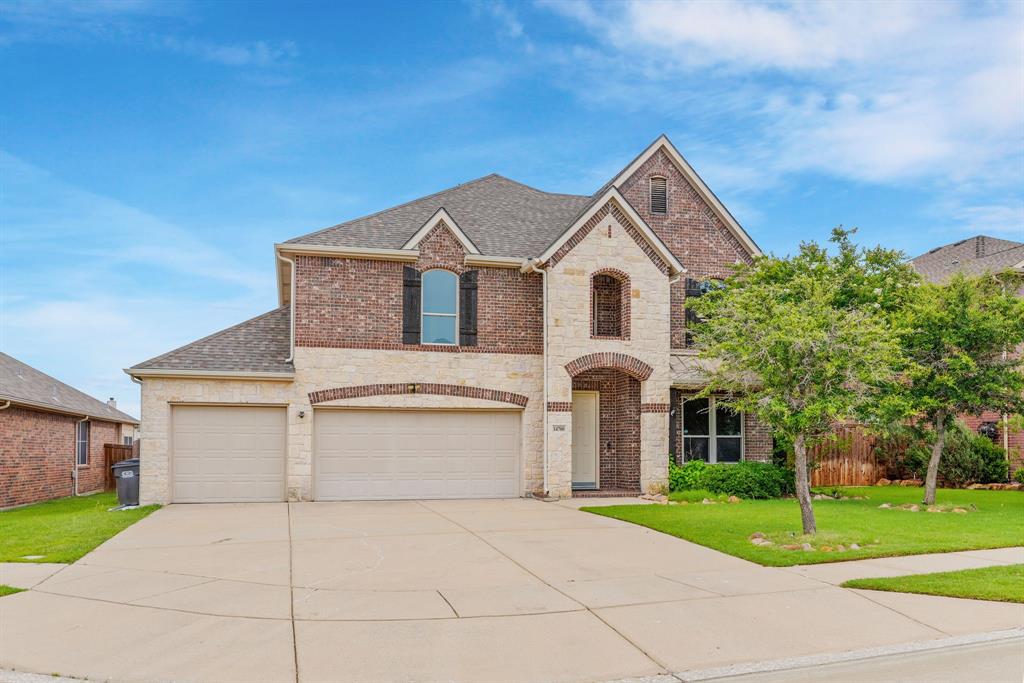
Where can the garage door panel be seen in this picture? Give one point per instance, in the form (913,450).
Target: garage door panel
(365,454)
(228,454)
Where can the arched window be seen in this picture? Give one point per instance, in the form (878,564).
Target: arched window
(609,299)
(440,308)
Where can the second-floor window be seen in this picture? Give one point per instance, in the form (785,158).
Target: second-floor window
(440,311)
(606,302)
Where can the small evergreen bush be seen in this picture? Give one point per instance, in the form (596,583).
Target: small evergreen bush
(742,479)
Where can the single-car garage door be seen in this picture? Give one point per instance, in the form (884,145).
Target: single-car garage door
(380,454)
(227,454)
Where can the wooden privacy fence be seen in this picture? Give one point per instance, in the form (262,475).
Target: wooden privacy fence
(115,452)
(847,460)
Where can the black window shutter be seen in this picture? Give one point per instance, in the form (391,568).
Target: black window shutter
(410,305)
(467,308)
(693,287)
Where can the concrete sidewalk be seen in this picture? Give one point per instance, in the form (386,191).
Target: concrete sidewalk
(443,590)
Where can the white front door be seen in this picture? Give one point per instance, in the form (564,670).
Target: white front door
(584,439)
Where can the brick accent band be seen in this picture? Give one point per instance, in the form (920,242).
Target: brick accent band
(654,407)
(634,367)
(364,390)
(559,406)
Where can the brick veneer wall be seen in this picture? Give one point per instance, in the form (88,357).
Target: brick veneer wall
(357,303)
(690,229)
(1015,438)
(619,426)
(609,304)
(37,452)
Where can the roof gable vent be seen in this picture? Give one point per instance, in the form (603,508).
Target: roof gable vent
(659,195)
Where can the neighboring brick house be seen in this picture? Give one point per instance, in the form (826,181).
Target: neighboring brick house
(488,340)
(976,256)
(51,433)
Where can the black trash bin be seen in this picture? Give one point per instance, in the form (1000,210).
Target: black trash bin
(126,474)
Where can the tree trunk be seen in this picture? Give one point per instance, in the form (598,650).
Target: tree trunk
(803,488)
(933,462)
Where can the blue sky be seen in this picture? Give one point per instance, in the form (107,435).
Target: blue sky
(152,152)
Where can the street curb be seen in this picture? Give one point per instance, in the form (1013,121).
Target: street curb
(789,663)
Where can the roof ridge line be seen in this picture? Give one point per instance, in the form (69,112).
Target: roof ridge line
(209,336)
(537,189)
(392,208)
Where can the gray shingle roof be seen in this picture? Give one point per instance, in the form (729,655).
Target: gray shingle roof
(501,217)
(972,256)
(21,383)
(258,345)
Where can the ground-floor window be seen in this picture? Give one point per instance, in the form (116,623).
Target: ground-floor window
(82,443)
(711,432)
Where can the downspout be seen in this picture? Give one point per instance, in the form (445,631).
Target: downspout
(532,267)
(291,310)
(74,471)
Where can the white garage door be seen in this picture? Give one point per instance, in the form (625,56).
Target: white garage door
(379,454)
(227,454)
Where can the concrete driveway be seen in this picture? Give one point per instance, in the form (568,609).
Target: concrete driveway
(500,590)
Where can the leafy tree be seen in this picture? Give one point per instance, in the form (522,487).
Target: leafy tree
(806,341)
(959,340)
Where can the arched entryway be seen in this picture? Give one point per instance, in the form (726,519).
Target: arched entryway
(606,431)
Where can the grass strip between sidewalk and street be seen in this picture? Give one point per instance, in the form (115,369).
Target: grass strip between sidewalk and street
(1004,583)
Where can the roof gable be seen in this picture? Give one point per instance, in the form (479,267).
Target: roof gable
(21,383)
(613,197)
(703,191)
(443,218)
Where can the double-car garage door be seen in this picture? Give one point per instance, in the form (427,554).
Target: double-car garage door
(238,453)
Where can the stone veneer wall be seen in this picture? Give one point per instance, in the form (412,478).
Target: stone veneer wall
(318,369)
(608,244)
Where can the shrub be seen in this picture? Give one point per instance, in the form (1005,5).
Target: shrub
(747,480)
(967,458)
(743,479)
(686,477)
(1018,476)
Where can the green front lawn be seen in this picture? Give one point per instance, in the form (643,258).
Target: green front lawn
(994,519)
(9,590)
(1005,583)
(63,530)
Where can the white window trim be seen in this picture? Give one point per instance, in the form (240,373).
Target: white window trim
(455,315)
(713,432)
(79,441)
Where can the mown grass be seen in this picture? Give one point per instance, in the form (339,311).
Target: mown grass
(1004,583)
(9,590)
(995,520)
(63,530)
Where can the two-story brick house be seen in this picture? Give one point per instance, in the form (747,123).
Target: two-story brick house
(489,340)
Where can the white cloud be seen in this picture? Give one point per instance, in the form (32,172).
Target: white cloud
(877,92)
(90,285)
